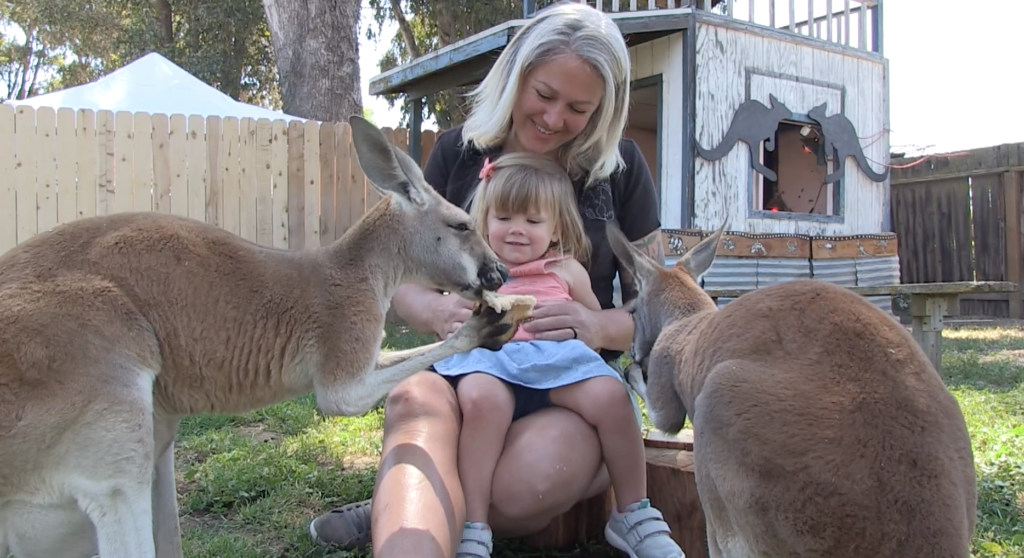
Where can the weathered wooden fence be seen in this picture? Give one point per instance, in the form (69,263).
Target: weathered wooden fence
(276,183)
(958,217)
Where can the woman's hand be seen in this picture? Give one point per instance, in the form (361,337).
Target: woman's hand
(558,321)
(428,311)
(448,313)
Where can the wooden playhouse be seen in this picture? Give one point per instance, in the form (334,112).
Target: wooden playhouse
(770,113)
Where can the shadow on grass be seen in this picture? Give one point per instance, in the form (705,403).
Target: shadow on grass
(983,358)
(399,337)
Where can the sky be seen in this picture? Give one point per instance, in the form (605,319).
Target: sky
(952,82)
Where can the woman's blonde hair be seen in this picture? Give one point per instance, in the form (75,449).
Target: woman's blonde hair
(526,182)
(563,29)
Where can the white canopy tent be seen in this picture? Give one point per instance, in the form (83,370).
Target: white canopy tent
(155,85)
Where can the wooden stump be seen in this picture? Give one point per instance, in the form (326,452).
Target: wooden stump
(672,489)
(584,522)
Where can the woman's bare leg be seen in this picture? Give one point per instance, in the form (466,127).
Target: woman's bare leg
(551,461)
(604,403)
(487,405)
(418,508)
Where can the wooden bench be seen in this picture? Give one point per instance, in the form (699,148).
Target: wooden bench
(930,304)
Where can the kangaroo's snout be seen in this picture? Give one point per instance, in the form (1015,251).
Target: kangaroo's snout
(492,275)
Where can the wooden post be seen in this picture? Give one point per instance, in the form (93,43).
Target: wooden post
(1012,196)
(928,312)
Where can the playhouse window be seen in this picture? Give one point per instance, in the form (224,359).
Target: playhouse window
(796,161)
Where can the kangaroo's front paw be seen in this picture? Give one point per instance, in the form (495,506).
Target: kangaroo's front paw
(635,377)
(487,328)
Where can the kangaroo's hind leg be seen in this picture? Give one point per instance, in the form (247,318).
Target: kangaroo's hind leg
(166,527)
(113,480)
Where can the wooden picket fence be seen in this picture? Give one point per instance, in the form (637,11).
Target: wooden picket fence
(273,182)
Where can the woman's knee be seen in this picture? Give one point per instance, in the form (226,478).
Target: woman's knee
(550,462)
(424,395)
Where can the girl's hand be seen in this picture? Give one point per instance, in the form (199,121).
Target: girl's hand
(556,321)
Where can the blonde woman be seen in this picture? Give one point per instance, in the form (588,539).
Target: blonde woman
(559,89)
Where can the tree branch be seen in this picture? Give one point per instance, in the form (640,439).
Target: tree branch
(407,34)
(26,62)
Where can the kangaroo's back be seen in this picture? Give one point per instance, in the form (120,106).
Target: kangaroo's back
(820,427)
(818,408)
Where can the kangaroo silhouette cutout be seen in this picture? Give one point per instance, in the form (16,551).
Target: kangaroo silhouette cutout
(753,122)
(841,139)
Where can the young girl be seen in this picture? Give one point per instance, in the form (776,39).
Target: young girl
(525,206)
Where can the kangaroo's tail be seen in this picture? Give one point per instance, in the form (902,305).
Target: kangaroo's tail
(864,166)
(723,148)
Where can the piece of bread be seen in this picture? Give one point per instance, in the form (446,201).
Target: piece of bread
(519,307)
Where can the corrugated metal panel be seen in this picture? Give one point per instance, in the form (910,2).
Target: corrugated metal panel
(731,273)
(840,271)
(772,271)
(879,271)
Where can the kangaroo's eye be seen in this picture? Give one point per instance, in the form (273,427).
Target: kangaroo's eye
(461,227)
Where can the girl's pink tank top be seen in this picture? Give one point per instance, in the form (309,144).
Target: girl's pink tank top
(533,279)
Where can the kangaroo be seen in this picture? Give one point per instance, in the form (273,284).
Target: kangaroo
(752,123)
(820,427)
(113,328)
(841,138)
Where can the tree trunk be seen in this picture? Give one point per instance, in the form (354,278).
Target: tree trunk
(317,49)
(164,19)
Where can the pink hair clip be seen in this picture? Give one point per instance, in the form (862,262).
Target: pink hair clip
(487,170)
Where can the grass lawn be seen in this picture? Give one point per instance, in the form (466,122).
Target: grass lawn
(249,484)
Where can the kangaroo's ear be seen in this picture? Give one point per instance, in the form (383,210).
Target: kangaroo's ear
(697,261)
(387,167)
(638,264)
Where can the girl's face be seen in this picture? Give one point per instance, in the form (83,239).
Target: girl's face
(555,103)
(519,238)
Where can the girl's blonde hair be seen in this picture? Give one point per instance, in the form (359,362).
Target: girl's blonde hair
(526,182)
(563,29)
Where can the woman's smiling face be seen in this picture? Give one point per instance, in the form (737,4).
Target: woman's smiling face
(555,103)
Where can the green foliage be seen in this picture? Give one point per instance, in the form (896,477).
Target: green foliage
(225,44)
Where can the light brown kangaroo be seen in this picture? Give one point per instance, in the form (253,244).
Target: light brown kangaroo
(113,328)
(821,430)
